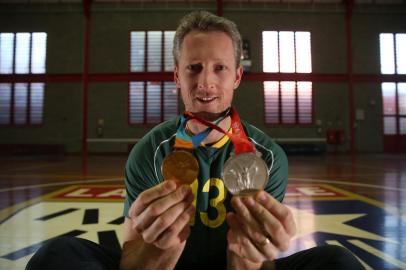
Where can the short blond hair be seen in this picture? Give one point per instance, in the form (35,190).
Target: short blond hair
(203,21)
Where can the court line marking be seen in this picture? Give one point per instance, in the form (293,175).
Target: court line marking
(360,197)
(390,209)
(61,184)
(346,183)
(385,206)
(378,253)
(12,210)
(344,175)
(122,179)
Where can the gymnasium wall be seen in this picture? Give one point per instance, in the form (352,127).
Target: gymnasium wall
(109,53)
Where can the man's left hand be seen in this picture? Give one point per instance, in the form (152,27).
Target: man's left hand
(260,228)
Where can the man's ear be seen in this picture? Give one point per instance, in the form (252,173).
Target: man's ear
(238,76)
(176,76)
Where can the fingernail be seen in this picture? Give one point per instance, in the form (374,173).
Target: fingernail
(237,201)
(169,185)
(250,201)
(247,201)
(262,197)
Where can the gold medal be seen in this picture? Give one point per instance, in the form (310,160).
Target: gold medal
(180,165)
(245,174)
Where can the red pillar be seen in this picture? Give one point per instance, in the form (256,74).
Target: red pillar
(85,84)
(219,7)
(350,74)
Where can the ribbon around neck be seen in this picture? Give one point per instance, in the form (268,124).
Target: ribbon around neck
(238,137)
(188,142)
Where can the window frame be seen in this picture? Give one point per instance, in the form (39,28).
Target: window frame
(396,115)
(157,74)
(29,108)
(280,122)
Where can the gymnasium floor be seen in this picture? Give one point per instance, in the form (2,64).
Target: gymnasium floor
(356,202)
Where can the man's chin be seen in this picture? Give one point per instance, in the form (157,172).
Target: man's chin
(211,116)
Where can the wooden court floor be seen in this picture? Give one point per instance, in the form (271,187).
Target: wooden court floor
(357,202)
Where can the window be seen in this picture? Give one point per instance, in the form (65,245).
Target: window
(147,100)
(393,61)
(22,53)
(287,102)
(152,101)
(151,51)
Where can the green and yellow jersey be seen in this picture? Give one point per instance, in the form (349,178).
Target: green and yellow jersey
(207,243)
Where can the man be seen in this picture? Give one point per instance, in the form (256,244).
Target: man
(207,52)
(172,225)
(169,224)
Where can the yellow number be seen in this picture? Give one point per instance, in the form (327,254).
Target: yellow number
(216,202)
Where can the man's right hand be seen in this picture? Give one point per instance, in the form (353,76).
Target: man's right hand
(161,215)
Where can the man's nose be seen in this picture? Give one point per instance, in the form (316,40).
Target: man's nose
(206,80)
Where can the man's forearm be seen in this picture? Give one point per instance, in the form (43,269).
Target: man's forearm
(140,255)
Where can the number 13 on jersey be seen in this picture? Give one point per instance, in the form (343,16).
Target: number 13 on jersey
(216,202)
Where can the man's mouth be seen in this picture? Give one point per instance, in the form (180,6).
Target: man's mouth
(206,99)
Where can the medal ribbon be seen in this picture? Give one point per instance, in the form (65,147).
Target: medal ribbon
(238,137)
(185,141)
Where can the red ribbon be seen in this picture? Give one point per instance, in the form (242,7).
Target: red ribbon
(238,137)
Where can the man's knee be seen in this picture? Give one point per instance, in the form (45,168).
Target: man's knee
(52,253)
(321,257)
(337,257)
(73,253)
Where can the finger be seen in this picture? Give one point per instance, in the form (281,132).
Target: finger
(280,211)
(271,226)
(165,220)
(176,233)
(240,243)
(268,250)
(156,208)
(233,222)
(150,195)
(184,233)
(248,223)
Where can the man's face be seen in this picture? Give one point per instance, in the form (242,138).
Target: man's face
(206,72)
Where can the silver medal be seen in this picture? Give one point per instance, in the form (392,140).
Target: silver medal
(245,174)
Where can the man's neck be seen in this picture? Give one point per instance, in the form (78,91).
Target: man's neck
(214,136)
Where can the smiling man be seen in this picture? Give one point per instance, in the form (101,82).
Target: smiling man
(199,224)
(172,225)
(202,226)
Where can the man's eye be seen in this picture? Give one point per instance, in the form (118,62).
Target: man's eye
(194,68)
(220,67)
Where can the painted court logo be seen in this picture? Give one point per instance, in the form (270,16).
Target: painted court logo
(324,215)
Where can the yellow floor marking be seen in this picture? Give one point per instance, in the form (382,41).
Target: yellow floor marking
(309,244)
(9,211)
(378,253)
(391,209)
(22,230)
(336,243)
